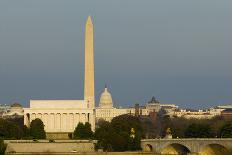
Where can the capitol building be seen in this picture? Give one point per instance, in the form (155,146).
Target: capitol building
(106,111)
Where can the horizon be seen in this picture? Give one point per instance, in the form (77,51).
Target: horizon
(181,59)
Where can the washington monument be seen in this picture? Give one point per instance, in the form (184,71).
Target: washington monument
(89,64)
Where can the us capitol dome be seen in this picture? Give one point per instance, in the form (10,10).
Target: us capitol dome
(105,110)
(106,100)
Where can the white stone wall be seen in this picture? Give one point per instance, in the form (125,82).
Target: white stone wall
(108,114)
(25,146)
(58,104)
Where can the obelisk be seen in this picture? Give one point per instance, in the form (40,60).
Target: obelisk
(89,65)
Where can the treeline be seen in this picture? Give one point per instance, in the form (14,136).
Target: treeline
(191,128)
(124,132)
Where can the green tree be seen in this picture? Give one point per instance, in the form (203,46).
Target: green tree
(119,142)
(83,131)
(104,134)
(37,129)
(117,136)
(26,132)
(198,131)
(9,130)
(122,126)
(226,130)
(2,147)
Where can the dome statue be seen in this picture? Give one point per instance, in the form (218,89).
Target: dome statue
(154,100)
(106,99)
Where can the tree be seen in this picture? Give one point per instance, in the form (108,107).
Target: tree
(2,147)
(104,134)
(122,126)
(26,132)
(117,135)
(16,120)
(37,129)
(83,131)
(9,130)
(226,130)
(119,141)
(198,131)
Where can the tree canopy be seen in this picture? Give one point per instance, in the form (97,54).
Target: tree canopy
(9,130)
(198,131)
(226,130)
(117,135)
(83,131)
(37,129)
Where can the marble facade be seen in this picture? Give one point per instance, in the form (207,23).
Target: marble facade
(59,115)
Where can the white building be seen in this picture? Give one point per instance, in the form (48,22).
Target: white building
(59,116)
(193,114)
(3,109)
(201,114)
(15,110)
(154,106)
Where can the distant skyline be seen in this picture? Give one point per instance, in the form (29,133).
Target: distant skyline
(178,51)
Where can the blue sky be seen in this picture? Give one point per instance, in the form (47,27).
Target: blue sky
(179,51)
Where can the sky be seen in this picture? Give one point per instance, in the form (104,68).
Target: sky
(176,50)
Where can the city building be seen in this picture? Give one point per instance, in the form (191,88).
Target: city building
(227,114)
(193,114)
(14,111)
(154,105)
(3,109)
(204,114)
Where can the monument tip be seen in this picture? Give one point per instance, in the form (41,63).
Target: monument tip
(89,19)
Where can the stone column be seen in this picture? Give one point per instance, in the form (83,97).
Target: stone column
(55,122)
(42,118)
(86,117)
(92,121)
(64,122)
(61,121)
(39,115)
(58,122)
(82,118)
(33,116)
(26,119)
(71,121)
(45,121)
(76,119)
(52,121)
